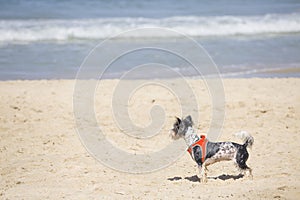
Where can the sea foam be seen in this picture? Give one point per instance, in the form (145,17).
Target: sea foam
(102,28)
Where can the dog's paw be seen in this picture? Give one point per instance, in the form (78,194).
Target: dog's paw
(249,175)
(203,180)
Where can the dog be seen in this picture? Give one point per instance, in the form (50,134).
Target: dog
(205,153)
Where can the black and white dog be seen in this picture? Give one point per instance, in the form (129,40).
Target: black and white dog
(206,153)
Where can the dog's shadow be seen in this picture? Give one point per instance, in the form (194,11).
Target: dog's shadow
(195,178)
(225,177)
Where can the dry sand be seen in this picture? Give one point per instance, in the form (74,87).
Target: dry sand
(41,156)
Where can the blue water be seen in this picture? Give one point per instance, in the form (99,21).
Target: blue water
(49,39)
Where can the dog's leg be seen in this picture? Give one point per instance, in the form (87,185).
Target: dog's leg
(200,172)
(248,173)
(203,173)
(244,170)
(241,158)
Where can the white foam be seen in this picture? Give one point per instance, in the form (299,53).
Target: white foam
(66,30)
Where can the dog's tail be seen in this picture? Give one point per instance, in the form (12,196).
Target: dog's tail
(246,137)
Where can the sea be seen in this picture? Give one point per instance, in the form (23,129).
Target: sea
(51,39)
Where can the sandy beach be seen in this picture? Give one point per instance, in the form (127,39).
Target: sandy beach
(41,155)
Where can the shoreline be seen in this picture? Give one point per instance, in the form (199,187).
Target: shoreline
(277,72)
(171,78)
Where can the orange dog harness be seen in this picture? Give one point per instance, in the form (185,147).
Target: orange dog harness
(202,144)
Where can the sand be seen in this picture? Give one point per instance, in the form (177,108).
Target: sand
(42,157)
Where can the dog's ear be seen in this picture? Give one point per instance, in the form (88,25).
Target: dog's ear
(189,120)
(178,120)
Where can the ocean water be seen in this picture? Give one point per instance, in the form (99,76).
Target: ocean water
(42,39)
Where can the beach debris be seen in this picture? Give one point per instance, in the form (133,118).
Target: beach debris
(120,192)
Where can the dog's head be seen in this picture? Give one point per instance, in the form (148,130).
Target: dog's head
(180,127)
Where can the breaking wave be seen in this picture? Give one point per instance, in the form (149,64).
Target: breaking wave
(102,28)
